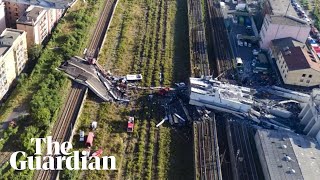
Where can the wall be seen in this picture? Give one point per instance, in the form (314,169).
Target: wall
(276,31)
(13,12)
(2,17)
(294,77)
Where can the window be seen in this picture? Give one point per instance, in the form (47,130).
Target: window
(285,76)
(310,76)
(303,75)
(308,81)
(262,33)
(16,14)
(301,80)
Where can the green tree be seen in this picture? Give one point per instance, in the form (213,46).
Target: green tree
(30,132)
(42,117)
(34,51)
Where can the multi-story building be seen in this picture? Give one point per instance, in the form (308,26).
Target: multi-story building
(2,16)
(13,57)
(287,155)
(296,63)
(38,23)
(57,4)
(13,12)
(310,115)
(282,26)
(276,7)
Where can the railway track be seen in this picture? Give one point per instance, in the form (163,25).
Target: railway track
(4,157)
(220,42)
(245,164)
(63,127)
(207,162)
(197,38)
(102,26)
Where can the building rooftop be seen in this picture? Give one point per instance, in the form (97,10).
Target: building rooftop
(288,20)
(32,15)
(280,7)
(285,151)
(296,55)
(7,37)
(57,4)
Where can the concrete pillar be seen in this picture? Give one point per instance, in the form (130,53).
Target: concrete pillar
(309,126)
(307,117)
(314,130)
(304,111)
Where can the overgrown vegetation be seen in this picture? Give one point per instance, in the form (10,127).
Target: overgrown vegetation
(44,86)
(146,37)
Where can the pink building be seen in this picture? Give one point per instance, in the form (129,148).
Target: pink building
(38,23)
(281,26)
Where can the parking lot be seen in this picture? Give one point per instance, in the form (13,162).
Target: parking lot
(244,47)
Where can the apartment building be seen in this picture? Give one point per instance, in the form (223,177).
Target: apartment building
(38,23)
(13,57)
(13,11)
(2,16)
(282,26)
(296,63)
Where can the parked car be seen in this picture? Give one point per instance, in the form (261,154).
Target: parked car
(81,136)
(256,52)
(240,43)
(307,19)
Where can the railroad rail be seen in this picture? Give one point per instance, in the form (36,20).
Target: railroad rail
(245,165)
(4,157)
(207,159)
(219,38)
(62,129)
(101,29)
(197,40)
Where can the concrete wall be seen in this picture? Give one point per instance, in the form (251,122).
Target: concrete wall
(297,77)
(13,60)
(270,31)
(263,161)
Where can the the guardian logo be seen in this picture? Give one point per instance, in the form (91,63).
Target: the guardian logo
(54,161)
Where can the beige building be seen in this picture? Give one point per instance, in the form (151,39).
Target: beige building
(296,63)
(38,23)
(280,26)
(13,12)
(13,50)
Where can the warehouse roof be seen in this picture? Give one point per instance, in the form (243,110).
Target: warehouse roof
(288,155)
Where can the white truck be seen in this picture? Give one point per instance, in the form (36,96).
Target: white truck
(241,7)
